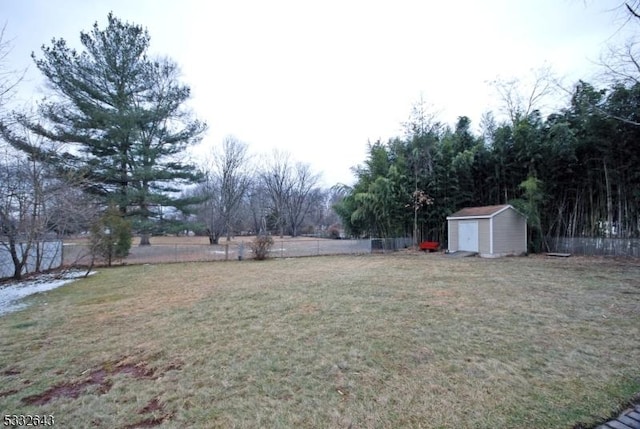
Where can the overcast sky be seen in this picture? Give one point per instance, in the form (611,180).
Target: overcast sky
(319,79)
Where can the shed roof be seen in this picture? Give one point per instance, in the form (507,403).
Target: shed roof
(480,212)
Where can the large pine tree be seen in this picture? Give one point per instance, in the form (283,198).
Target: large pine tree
(121,117)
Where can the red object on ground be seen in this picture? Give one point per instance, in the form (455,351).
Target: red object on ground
(429,246)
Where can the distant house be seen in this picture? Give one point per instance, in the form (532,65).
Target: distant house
(492,231)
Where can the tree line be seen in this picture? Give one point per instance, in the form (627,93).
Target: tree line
(107,148)
(575,173)
(245,194)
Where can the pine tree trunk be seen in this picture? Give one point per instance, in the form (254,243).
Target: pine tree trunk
(144,239)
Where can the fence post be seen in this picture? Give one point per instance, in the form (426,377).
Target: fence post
(226,251)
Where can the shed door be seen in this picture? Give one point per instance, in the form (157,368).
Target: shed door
(468,236)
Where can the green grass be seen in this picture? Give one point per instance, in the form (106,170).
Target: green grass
(405,340)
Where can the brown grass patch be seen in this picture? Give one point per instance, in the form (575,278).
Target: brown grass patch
(407,340)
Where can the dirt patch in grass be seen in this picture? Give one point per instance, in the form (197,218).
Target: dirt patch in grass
(8,392)
(71,390)
(147,423)
(98,380)
(154,407)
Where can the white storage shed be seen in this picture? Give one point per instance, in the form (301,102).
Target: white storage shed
(491,231)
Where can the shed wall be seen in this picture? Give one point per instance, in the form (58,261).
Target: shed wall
(509,233)
(453,236)
(484,236)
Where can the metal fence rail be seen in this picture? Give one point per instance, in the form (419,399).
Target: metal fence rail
(78,254)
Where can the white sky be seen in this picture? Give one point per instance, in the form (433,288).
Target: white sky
(320,79)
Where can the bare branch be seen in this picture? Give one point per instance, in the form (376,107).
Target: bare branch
(9,78)
(633,12)
(227,181)
(521,99)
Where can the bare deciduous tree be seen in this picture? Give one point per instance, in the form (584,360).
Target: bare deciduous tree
(321,214)
(519,98)
(21,184)
(620,63)
(37,204)
(10,78)
(301,196)
(19,209)
(289,190)
(227,181)
(277,181)
(258,202)
(28,193)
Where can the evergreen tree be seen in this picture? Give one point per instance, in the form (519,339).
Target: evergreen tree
(111,236)
(530,205)
(122,117)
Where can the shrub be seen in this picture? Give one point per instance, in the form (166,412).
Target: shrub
(334,232)
(111,236)
(260,246)
(308,230)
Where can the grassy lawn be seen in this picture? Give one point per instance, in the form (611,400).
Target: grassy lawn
(385,341)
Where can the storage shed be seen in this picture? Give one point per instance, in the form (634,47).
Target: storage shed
(492,231)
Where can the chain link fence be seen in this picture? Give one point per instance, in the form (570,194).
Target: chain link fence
(625,247)
(79,254)
(42,256)
(384,245)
